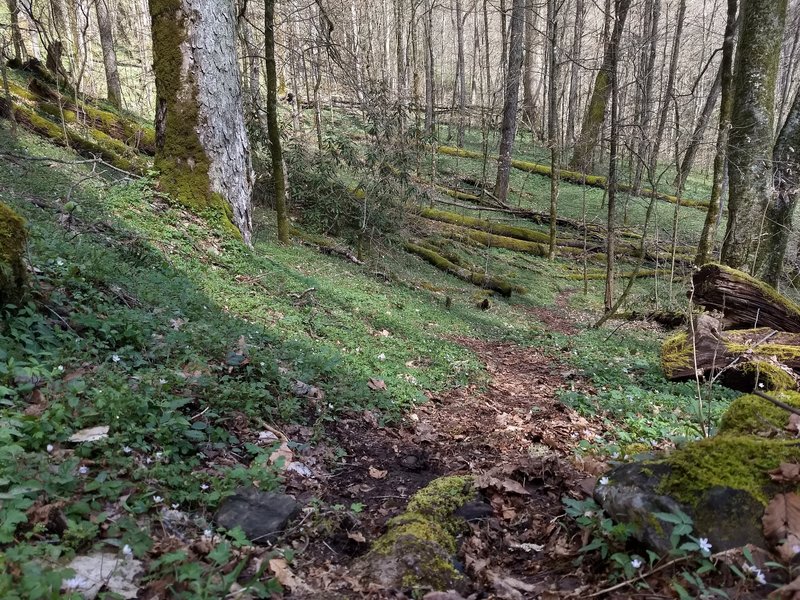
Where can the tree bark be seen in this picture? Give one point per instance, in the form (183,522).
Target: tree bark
(709,232)
(16,34)
(430,72)
(577,42)
(529,98)
(510,105)
(274,132)
(461,78)
(202,149)
(750,140)
(552,120)
(105,27)
(786,165)
(596,110)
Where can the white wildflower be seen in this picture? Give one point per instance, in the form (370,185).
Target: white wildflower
(126,550)
(705,545)
(381,356)
(83,470)
(636,563)
(208,533)
(127,449)
(116,358)
(157,499)
(49,448)
(760,578)
(76,583)
(604,481)
(204,486)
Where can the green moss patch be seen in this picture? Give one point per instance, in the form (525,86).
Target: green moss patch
(750,414)
(734,461)
(12,248)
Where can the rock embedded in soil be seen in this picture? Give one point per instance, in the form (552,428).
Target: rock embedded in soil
(262,516)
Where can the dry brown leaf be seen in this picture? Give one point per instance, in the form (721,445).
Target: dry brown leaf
(376,384)
(782,518)
(505,484)
(285,576)
(786,473)
(282,452)
(91,434)
(794,424)
(377,473)
(357,536)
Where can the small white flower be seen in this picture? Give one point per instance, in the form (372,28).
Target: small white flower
(157,499)
(83,470)
(748,568)
(159,455)
(60,262)
(760,578)
(127,449)
(615,455)
(126,550)
(175,506)
(636,563)
(208,533)
(381,356)
(60,367)
(75,583)
(148,460)
(705,546)
(604,481)
(116,358)
(204,486)
(761,385)
(49,448)
(162,381)
(588,513)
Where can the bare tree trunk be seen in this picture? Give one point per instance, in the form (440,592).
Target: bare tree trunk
(699,131)
(529,98)
(105,27)
(577,42)
(202,149)
(486,46)
(460,68)
(430,73)
(552,120)
(709,233)
(666,103)
(511,102)
(786,163)
(750,141)
(644,115)
(274,132)
(16,34)
(595,112)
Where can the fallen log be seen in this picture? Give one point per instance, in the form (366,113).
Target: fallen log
(497,284)
(744,300)
(741,359)
(325,245)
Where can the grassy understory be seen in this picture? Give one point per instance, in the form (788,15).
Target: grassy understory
(145,319)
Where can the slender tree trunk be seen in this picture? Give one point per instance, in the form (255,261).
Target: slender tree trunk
(105,27)
(510,105)
(699,131)
(595,112)
(487,57)
(202,150)
(460,68)
(666,103)
(430,72)
(750,140)
(552,120)
(16,34)
(786,164)
(529,99)
(709,233)
(274,132)
(645,113)
(577,42)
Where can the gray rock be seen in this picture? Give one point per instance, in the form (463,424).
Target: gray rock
(727,517)
(261,515)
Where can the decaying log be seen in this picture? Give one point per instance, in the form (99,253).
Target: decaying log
(740,358)
(744,300)
(503,287)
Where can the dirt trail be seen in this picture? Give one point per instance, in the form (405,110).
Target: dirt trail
(513,435)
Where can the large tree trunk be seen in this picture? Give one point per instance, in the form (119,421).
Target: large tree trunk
(596,110)
(750,140)
(510,105)
(275,149)
(202,149)
(786,164)
(106,28)
(709,232)
(577,39)
(16,34)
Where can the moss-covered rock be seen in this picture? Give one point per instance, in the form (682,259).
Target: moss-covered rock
(12,248)
(416,552)
(749,415)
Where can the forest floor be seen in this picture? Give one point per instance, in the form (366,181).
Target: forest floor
(215,366)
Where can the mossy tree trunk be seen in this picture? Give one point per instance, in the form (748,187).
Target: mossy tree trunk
(12,247)
(202,150)
(274,132)
(596,111)
(709,232)
(750,141)
(16,34)
(106,29)
(786,164)
(511,102)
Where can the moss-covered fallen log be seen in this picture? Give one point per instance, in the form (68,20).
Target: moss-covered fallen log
(417,552)
(739,357)
(497,284)
(744,300)
(575,177)
(597,275)
(64,136)
(325,245)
